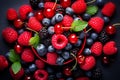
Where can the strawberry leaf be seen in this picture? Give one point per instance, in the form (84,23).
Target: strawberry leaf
(13,57)
(16,66)
(92,10)
(78,25)
(34,41)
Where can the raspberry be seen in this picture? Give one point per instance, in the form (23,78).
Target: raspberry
(24,10)
(49,5)
(11,14)
(3,63)
(79,6)
(59,41)
(34,24)
(96,48)
(110,48)
(40,64)
(96,23)
(9,34)
(51,58)
(108,9)
(65,3)
(27,55)
(24,38)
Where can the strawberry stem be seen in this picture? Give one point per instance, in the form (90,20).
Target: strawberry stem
(54,4)
(116,24)
(75,61)
(92,1)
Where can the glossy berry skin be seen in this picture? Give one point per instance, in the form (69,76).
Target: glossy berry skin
(18,23)
(58,29)
(81,59)
(110,30)
(67,71)
(65,3)
(105,60)
(49,13)
(100,3)
(28,78)
(73,38)
(39,15)
(18,49)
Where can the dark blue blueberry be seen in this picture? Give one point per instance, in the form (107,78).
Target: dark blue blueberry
(70,78)
(106,19)
(58,17)
(49,70)
(100,3)
(41,49)
(86,16)
(66,55)
(94,36)
(89,73)
(7,55)
(46,22)
(51,30)
(69,11)
(59,51)
(68,46)
(41,5)
(51,48)
(89,41)
(31,14)
(53,21)
(20,31)
(60,61)
(79,42)
(32,67)
(82,35)
(59,75)
(27,72)
(87,51)
(51,77)
(76,18)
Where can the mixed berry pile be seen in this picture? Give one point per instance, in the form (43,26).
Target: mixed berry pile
(59,40)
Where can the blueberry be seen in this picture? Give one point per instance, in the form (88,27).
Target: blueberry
(41,5)
(20,31)
(46,22)
(100,3)
(89,41)
(76,18)
(27,71)
(60,61)
(82,35)
(69,11)
(79,42)
(59,75)
(86,16)
(51,48)
(59,51)
(49,70)
(106,19)
(31,14)
(32,67)
(53,21)
(66,55)
(88,73)
(41,49)
(58,17)
(68,46)
(87,51)
(51,30)
(70,78)
(51,77)
(7,55)
(94,36)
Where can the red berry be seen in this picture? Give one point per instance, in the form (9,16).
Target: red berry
(28,78)
(58,29)
(3,63)
(18,48)
(67,71)
(81,59)
(40,64)
(105,60)
(49,13)
(65,3)
(110,30)
(49,5)
(73,38)
(39,15)
(18,23)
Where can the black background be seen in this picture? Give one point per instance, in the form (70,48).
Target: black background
(111,72)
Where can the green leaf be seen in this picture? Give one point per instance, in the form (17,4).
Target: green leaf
(34,41)
(16,66)
(13,57)
(92,10)
(78,25)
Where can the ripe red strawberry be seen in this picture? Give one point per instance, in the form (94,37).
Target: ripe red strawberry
(24,10)
(108,9)
(41,75)
(11,14)
(83,78)
(27,55)
(51,58)
(96,23)
(40,64)
(79,6)
(89,63)
(9,34)
(65,3)
(67,21)
(110,48)
(49,5)
(96,48)
(34,24)
(24,38)
(3,63)
(17,76)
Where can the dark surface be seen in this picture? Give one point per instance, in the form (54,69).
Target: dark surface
(109,73)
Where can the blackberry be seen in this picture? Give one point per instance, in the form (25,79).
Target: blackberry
(67,33)
(75,50)
(43,33)
(34,3)
(97,74)
(103,37)
(59,9)
(46,42)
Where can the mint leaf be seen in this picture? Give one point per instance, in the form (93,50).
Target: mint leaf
(34,41)
(16,66)
(92,10)
(78,25)
(13,57)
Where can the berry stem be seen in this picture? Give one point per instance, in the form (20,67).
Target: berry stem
(88,30)
(116,24)
(54,4)
(92,1)
(75,61)
(32,30)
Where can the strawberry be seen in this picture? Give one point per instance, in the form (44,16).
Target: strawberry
(3,63)
(9,34)
(79,6)
(11,14)
(83,78)
(34,24)
(96,23)
(24,10)
(96,48)
(24,38)
(89,63)
(40,64)
(27,55)
(108,9)
(110,48)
